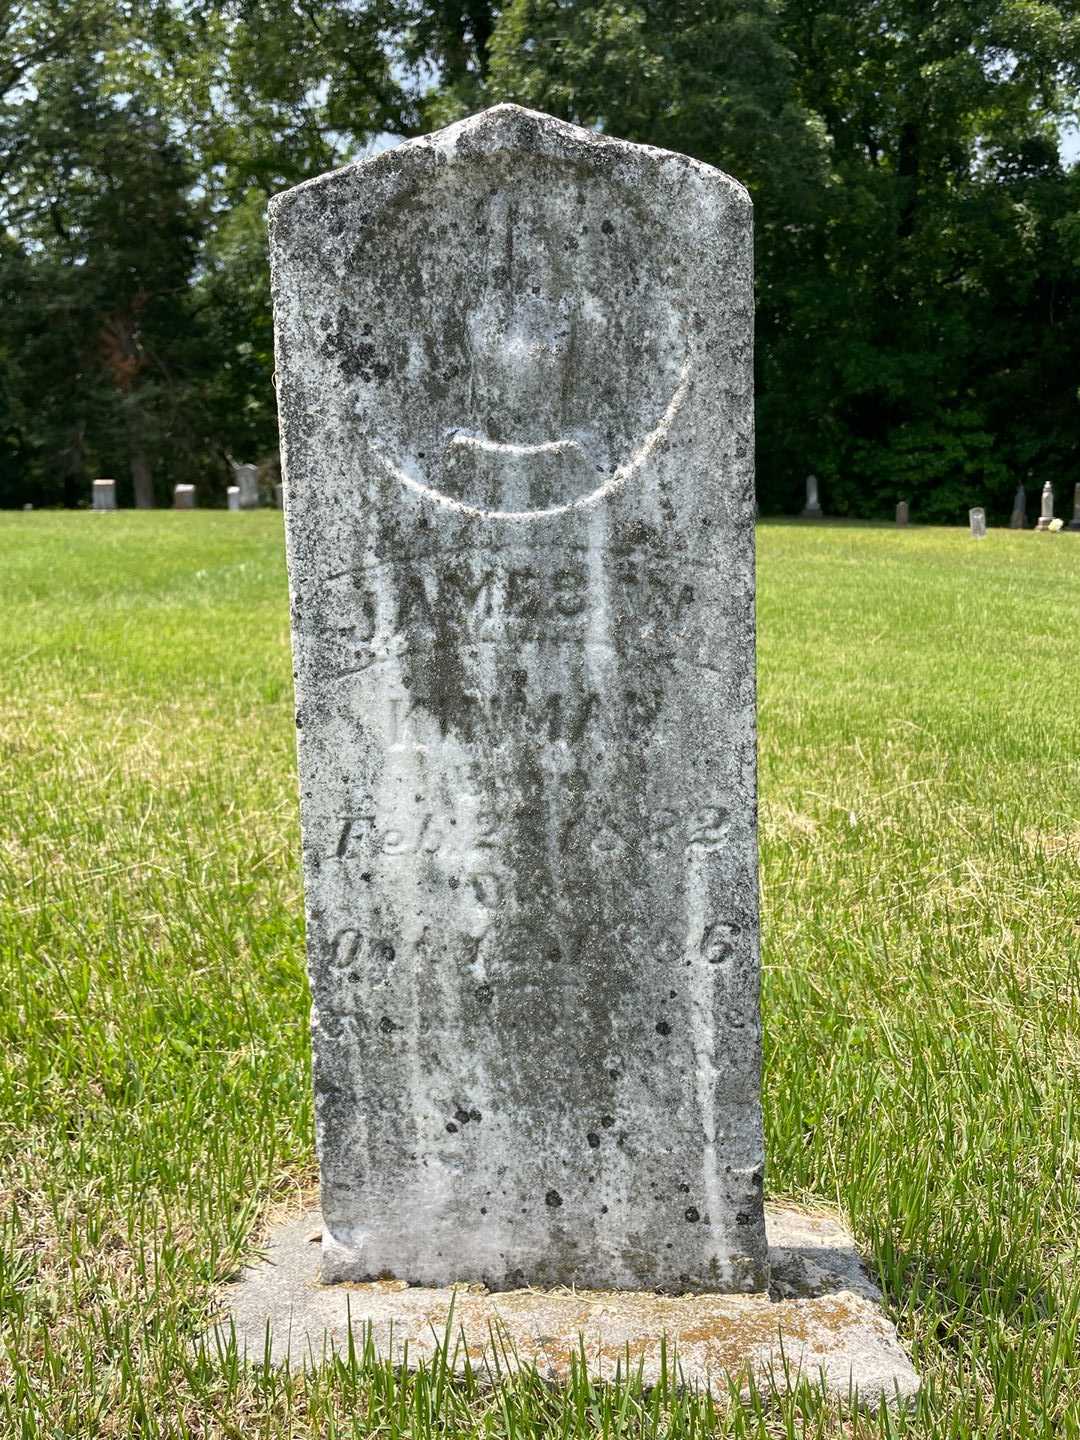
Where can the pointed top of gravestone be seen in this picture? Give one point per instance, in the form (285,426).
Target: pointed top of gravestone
(501,129)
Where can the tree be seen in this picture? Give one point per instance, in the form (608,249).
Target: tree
(917,235)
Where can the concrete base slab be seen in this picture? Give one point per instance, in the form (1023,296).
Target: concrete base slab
(822,1322)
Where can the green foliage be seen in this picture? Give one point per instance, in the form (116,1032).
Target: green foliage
(918,238)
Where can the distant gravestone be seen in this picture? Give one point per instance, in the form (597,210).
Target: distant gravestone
(902,513)
(279,492)
(1018,518)
(812,509)
(977,520)
(232,497)
(515,389)
(1046,509)
(184,497)
(1074,523)
(247,485)
(104,495)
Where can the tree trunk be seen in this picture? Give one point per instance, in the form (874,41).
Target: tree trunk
(142,479)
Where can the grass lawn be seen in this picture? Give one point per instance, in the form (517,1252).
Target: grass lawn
(920,749)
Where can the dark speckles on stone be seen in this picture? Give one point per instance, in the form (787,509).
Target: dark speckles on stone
(742,1218)
(552,939)
(692,1214)
(663,1028)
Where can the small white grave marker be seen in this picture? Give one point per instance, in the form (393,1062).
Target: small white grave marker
(104,495)
(812,509)
(247,483)
(1047,507)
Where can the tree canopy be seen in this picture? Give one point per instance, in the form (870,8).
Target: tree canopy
(918,232)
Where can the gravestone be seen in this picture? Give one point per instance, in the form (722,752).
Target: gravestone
(902,513)
(279,492)
(1018,518)
(184,497)
(812,509)
(104,495)
(247,484)
(232,496)
(977,521)
(515,387)
(1046,508)
(1074,523)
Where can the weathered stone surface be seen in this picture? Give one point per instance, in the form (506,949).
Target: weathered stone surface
(977,521)
(515,383)
(1074,523)
(232,496)
(247,484)
(902,513)
(812,509)
(1046,507)
(184,497)
(1018,518)
(104,494)
(823,1317)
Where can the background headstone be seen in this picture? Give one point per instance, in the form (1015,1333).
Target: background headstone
(279,494)
(247,484)
(1046,508)
(232,496)
(1074,523)
(104,495)
(902,513)
(812,509)
(184,497)
(977,521)
(515,382)
(1018,518)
